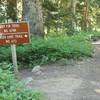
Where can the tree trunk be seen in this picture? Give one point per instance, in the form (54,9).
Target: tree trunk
(11,10)
(32,12)
(85,19)
(73,11)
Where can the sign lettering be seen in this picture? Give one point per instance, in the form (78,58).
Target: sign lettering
(14,33)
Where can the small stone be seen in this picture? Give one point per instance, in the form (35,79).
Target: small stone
(38,73)
(36,69)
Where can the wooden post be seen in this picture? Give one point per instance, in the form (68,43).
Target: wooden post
(14,58)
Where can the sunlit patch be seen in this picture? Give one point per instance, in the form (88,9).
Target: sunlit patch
(97,91)
(26,36)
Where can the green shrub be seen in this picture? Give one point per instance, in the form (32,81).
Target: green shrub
(5,54)
(50,49)
(91,35)
(11,89)
(6,66)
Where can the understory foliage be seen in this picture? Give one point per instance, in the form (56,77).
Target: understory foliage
(12,89)
(49,50)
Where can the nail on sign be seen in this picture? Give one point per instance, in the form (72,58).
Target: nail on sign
(14,33)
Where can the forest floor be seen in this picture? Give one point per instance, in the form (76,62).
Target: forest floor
(80,81)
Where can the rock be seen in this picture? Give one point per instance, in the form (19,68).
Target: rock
(36,69)
(38,73)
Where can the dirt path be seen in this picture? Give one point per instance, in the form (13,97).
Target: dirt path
(78,82)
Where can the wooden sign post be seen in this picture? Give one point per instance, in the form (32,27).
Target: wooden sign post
(14,58)
(14,33)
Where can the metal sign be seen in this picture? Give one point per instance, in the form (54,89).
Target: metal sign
(14,33)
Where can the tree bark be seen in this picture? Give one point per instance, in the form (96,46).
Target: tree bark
(73,11)
(11,10)
(85,17)
(32,12)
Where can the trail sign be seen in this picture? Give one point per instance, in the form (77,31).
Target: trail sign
(14,33)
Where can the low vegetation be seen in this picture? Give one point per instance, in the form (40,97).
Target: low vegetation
(12,89)
(50,49)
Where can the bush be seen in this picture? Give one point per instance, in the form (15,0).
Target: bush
(50,49)
(6,66)
(5,54)
(95,36)
(91,36)
(11,89)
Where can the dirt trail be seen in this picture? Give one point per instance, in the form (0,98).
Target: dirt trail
(78,82)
